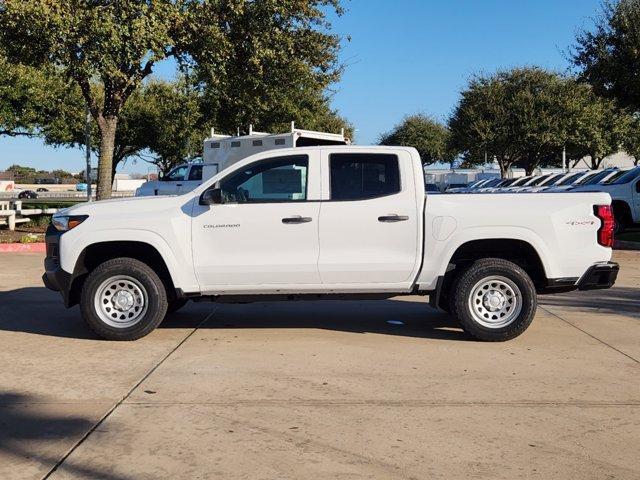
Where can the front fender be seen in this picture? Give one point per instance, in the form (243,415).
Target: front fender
(180,266)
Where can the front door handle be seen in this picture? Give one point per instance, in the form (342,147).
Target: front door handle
(296,219)
(393,218)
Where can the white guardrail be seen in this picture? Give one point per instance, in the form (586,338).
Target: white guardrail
(79,196)
(13,212)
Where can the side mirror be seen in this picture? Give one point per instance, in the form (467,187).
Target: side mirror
(211,196)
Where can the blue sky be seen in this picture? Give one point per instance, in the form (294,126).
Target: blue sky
(404,57)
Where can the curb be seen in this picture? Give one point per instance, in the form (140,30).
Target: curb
(39,247)
(622,245)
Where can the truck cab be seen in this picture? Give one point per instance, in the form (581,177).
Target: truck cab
(179,180)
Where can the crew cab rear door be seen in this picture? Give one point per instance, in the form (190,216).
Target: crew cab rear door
(369,217)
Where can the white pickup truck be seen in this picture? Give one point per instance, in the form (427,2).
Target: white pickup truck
(323,223)
(624,188)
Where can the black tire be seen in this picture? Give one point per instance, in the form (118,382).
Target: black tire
(468,284)
(176,304)
(154,291)
(619,226)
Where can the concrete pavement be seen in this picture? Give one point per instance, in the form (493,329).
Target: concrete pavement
(320,390)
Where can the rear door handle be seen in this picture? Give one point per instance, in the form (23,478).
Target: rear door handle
(296,219)
(393,218)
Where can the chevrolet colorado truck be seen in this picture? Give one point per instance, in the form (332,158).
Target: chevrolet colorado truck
(328,222)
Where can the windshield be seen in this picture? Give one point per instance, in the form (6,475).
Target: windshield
(623,176)
(492,183)
(539,180)
(177,173)
(595,178)
(571,178)
(520,181)
(554,179)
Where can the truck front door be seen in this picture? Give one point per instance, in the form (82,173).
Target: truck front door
(172,181)
(192,180)
(265,233)
(369,224)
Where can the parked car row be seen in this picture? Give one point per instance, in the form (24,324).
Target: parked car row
(622,184)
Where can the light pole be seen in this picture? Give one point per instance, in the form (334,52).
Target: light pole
(87,143)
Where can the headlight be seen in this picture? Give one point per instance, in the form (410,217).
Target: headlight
(63,223)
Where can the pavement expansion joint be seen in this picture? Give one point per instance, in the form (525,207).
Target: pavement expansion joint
(127,395)
(588,334)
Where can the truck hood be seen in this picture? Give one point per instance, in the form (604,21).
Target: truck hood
(128,205)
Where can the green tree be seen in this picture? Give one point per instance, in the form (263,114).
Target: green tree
(29,98)
(118,44)
(608,56)
(159,122)
(279,61)
(428,136)
(632,139)
(167,121)
(596,127)
(526,116)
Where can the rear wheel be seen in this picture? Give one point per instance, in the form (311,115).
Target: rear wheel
(123,299)
(494,300)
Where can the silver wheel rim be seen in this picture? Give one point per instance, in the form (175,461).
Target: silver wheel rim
(121,301)
(495,302)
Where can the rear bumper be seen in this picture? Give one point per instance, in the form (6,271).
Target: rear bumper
(600,275)
(597,276)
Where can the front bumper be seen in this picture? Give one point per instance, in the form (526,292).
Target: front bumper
(598,276)
(55,278)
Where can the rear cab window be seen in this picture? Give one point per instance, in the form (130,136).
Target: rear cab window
(361,176)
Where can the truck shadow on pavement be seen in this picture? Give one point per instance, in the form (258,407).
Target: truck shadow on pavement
(39,311)
(388,317)
(623,301)
(28,429)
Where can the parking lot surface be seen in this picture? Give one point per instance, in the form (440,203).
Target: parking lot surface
(387,389)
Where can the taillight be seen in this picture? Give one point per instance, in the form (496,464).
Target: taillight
(605,232)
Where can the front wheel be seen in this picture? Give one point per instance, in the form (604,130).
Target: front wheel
(494,300)
(123,299)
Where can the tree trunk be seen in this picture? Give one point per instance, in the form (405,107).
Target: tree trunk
(108,127)
(504,168)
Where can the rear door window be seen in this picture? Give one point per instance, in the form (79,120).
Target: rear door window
(359,176)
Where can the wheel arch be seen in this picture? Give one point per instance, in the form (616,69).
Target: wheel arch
(97,253)
(518,251)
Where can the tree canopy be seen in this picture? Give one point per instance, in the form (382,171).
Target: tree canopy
(428,136)
(526,116)
(608,57)
(259,49)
